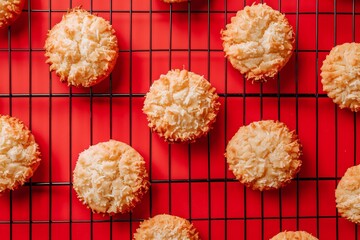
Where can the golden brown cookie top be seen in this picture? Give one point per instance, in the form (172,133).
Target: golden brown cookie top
(10,10)
(110,177)
(347,194)
(294,235)
(82,49)
(258,42)
(19,153)
(264,155)
(340,74)
(166,227)
(181,106)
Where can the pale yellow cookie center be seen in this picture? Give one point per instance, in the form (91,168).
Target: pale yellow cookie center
(9,9)
(347,194)
(258,41)
(18,151)
(81,48)
(166,227)
(182,104)
(263,154)
(108,176)
(341,75)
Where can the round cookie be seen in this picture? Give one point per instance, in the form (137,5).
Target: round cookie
(166,227)
(19,153)
(264,155)
(340,75)
(10,10)
(347,195)
(82,49)
(293,235)
(110,177)
(181,106)
(258,42)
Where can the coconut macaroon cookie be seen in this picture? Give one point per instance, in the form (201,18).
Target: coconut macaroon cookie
(10,10)
(110,177)
(264,155)
(293,235)
(166,227)
(340,74)
(347,195)
(19,153)
(82,49)
(181,106)
(258,42)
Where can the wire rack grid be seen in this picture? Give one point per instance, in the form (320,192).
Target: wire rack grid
(188,180)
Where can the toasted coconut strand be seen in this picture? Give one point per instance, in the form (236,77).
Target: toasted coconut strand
(291,235)
(258,42)
(110,177)
(19,153)
(264,155)
(82,49)
(347,195)
(181,106)
(166,227)
(340,74)
(10,10)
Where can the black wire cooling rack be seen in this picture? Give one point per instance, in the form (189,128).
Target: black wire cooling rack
(191,181)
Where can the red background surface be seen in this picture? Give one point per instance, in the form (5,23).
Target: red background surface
(191,181)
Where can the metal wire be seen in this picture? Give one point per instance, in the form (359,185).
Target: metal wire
(208,181)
